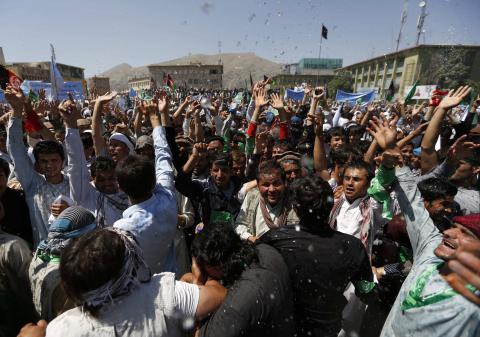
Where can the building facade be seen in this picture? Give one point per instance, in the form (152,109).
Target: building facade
(194,75)
(141,83)
(407,66)
(100,83)
(314,71)
(40,71)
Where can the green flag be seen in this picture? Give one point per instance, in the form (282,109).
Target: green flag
(411,93)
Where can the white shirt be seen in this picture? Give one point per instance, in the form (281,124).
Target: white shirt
(157,308)
(350,217)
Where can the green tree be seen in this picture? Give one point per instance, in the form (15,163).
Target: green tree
(449,68)
(342,81)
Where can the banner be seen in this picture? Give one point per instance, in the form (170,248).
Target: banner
(353,97)
(75,88)
(421,91)
(295,95)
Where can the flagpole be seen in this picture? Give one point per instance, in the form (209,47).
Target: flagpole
(319,54)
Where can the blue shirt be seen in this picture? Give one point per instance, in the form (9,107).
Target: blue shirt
(153,222)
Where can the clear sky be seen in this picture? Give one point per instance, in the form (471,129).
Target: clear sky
(99,34)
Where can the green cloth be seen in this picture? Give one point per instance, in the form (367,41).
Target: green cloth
(411,93)
(377,189)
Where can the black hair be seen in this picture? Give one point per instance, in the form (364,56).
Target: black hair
(48,147)
(90,261)
(218,245)
(361,164)
(346,153)
(336,131)
(436,188)
(5,167)
(220,159)
(136,176)
(87,140)
(101,163)
(312,200)
(236,155)
(355,129)
(268,166)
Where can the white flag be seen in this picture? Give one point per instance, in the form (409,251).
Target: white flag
(55,76)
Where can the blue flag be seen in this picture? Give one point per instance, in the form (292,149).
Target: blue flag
(132,93)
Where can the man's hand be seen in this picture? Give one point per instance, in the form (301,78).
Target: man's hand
(69,112)
(151,110)
(260,99)
(34,330)
(318,94)
(163,103)
(261,142)
(199,150)
(383,132)
(466,268)
(252,239)
(56,209)
(454,98)
(392,158)
(277,102)
(16,99)
(101,100)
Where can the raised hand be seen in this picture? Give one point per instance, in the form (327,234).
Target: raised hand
(261,142)
(391,158)
(277,102)
(385,134)
(319,93)
(454,98)
(106,98)
(15,98)
(163,103)
(199,150)
(260,98)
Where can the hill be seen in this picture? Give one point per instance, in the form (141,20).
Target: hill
(236,68)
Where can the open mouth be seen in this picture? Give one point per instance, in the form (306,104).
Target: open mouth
(449,244)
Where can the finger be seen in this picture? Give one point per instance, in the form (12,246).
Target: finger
(465,273)
(458,283)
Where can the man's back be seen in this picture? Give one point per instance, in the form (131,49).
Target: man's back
(259,303)
(320,267)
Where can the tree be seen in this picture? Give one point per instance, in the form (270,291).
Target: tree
(449,68)
(342,81)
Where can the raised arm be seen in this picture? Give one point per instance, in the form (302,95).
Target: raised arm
(319,156)
(98,141)
(163,156)
(23,166)
(81,191)
(428,157)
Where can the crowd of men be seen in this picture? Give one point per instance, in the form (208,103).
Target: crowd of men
(221,213)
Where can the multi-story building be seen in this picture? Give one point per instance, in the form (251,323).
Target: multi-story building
(315,71)
(140,83)
(190,75)
(40,71)
(100,83)
(406,66)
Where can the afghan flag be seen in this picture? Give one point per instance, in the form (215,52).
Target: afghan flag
(411,93)
(9,77)
(170,82)
(390,92)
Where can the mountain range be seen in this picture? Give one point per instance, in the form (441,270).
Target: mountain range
(236,69)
